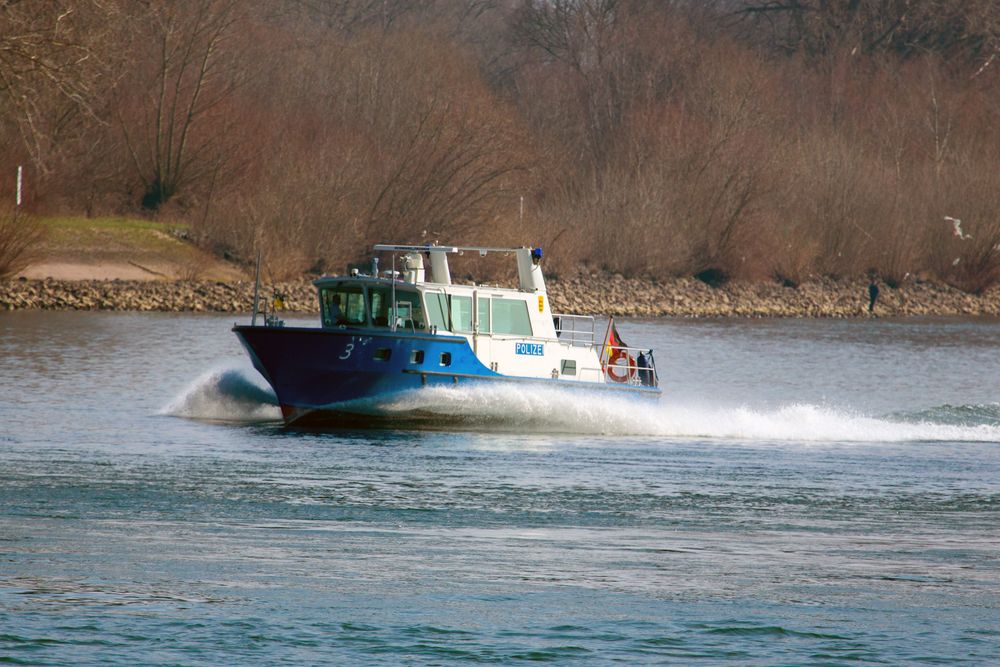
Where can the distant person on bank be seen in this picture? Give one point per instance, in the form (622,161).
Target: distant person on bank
(872,295)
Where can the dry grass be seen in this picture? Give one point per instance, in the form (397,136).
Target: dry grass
(163,248)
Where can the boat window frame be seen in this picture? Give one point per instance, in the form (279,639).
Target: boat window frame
(338,287)
(471,316)
(414,296)
(441,298)
(482,300)
(527,314)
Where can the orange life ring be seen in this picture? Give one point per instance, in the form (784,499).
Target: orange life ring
(613,360)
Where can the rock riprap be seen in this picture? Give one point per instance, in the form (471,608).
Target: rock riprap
(592,294)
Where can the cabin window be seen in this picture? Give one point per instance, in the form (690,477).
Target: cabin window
(382,354)
(343,305)
(569,366)
(437,310)
(461,313)
(511,317)
(446,358)
(379,300)
(484,314)
(416,356)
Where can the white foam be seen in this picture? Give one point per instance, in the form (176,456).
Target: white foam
(239,394)
(232,394)
(555,410)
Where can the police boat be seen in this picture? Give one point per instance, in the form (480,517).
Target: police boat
(380,335)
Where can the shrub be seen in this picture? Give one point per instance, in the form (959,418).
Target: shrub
(20,241)
(976,268)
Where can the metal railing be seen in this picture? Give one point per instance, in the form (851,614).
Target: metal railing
(575,329)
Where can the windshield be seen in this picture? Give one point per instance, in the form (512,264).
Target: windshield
(343,305)
(380,303)
(354,304)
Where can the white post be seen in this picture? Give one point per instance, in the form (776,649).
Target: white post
(20,178)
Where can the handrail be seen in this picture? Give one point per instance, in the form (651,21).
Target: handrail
(482,250)
(572,334)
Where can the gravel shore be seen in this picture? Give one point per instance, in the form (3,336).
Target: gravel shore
(599,295)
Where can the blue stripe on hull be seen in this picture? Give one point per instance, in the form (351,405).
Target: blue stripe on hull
(315,371)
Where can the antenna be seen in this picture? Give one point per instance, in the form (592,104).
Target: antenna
(20,179)
(521,217)
(256,290)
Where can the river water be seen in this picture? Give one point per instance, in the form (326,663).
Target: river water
(807,492)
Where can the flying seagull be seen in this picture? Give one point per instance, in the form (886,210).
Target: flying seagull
(957,228)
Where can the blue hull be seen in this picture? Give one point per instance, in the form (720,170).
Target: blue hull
(324,375)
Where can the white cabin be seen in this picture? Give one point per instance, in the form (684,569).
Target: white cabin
(511,331)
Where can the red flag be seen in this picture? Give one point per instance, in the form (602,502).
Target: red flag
(616,361)
(612,340)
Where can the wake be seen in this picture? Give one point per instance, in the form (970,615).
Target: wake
(240,395)
(548,410)
(226,395)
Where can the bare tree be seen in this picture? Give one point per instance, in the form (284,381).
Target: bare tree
(49,68)
(173,108)
(588,41)
(965,29)
(20,239)
(383,136)
(355,15)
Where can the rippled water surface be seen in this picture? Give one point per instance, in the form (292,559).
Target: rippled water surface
(807,492)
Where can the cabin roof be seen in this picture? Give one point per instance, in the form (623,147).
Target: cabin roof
(527,259)
(364,279)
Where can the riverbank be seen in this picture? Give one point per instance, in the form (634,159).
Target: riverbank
(599,295)
(78,249)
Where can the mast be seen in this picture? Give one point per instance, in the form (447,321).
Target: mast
(256,290)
